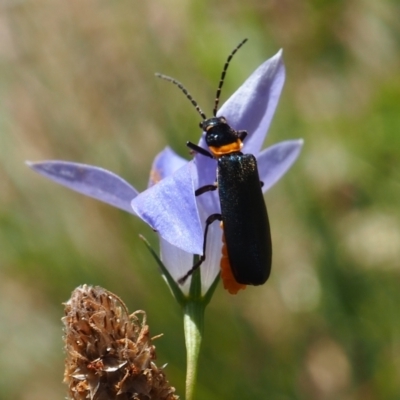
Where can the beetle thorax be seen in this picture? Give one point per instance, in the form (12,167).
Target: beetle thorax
(220,137)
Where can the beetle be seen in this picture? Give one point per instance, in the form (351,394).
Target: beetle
(247,248)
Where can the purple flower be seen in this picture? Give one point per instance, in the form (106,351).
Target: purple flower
(169,205)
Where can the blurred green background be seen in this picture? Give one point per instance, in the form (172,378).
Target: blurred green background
(77,83)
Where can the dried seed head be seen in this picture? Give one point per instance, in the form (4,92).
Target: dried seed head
(109,352)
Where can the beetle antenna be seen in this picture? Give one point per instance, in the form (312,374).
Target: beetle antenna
(185,92)
(221,81)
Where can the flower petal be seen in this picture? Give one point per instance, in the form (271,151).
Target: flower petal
(169,207)
(177,261)
(211,265)
(165,163)
(253,105)
(207,175)
(250,108)
(92,181)
(274,161)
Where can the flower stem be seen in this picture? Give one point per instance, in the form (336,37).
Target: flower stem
(193,325)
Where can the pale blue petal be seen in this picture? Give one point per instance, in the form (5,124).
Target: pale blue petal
(169,207)
(165,163)
(275,161)
(207,175)
(250,108)
(253,105)
(177,261)
(211,266)
(92,181)
(207,168)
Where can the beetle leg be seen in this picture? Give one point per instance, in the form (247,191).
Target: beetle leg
(206,188)
(199,149)
(209,221)
(241,135)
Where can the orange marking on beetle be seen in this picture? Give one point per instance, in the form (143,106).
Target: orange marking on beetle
(228,280)
(226,149)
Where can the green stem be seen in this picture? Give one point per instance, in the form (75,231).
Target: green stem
(194,325)
(193,305)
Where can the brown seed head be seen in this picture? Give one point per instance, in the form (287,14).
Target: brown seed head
(109,352)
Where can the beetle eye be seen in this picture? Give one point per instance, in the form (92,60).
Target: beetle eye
(201,125)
